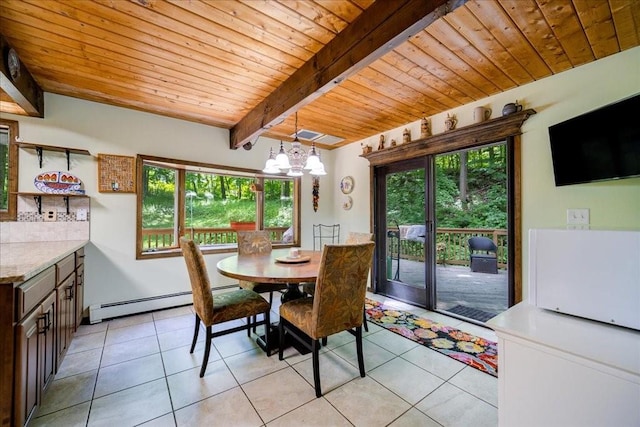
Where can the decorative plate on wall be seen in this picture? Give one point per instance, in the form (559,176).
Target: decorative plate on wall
(56,182)
(347,203)
(346,185)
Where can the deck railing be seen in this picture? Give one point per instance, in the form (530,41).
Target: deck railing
(163,238)
(451,245)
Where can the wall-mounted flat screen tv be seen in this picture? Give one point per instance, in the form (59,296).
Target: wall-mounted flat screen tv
(600,145)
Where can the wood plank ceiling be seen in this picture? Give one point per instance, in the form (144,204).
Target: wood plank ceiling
(214,61)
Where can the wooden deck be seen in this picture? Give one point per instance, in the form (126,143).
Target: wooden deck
(459,286)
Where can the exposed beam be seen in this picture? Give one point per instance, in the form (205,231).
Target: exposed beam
(378,30)
(23,89)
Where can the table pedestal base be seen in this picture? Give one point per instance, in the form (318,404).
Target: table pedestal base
(293,292)
(274,342)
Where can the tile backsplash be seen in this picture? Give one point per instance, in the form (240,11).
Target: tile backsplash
(20,231)
(32,227)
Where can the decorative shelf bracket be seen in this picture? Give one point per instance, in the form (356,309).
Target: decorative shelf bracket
(41,148)
(38,200)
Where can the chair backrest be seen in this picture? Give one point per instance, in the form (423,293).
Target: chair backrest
(340,288)
(200,285)
(323,234)
(354,237)
(254,242)
(482,244)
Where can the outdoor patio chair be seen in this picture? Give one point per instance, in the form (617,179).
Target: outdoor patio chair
(483,254)
(336,305)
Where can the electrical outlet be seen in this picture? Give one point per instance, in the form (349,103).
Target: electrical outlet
(50,216)
(578,216)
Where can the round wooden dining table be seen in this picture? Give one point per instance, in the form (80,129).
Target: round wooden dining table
(275,267)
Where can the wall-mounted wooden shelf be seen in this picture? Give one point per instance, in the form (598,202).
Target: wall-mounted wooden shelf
(39,148)
(493,130)
(38,198)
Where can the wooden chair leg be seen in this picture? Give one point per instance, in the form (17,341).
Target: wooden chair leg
(255,318)
(195,334)
(207,349)
(364,320)
(359,350)
(324,341)
(315,345)
(249,325)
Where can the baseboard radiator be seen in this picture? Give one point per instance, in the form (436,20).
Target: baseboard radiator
(100,312)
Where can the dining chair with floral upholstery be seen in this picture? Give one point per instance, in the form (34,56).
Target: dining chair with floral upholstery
(214,309)
(257,243)
(352,238)
(336,305)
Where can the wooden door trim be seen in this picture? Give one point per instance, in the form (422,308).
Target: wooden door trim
(499,129)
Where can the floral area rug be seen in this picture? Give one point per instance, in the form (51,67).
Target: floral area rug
(477,352)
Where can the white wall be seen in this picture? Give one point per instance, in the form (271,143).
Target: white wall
(112,272)
(612,204)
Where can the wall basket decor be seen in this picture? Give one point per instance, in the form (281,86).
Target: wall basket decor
(116,174)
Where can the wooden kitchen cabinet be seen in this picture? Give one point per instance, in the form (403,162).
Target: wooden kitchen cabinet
(40,313)
(66,315)
(27,367)
(35,356)
(48,337)
(79,294)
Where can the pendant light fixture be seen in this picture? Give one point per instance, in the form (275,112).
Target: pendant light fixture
(295,160)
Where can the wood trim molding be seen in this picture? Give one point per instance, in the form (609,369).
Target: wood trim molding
(493,130)
(11,213)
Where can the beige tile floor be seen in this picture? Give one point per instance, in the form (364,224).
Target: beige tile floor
(138,371)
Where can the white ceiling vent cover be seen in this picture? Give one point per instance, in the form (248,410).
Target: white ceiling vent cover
(328,139)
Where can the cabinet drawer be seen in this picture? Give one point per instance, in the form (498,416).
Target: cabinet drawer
(33,291)
(65,267)
(79,257)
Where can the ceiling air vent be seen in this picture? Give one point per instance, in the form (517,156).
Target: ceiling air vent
(322,138)
(307,134)
(328,139)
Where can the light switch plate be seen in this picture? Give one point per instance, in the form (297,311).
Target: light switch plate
(81,215)
(578,216)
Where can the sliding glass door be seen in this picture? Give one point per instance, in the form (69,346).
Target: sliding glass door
(402,215)
(429,214)
(471,210)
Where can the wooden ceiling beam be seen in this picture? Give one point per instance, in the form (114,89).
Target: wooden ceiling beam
(379,29)
(22,89)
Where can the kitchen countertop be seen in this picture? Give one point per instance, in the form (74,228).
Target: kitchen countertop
(21,261)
